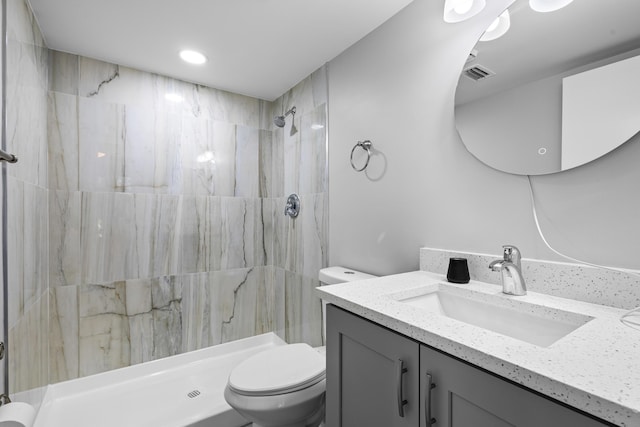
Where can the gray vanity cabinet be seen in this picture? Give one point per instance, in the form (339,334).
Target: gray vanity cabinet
(466,396)
(372,372)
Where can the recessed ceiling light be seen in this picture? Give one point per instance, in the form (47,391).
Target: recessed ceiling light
(193,57)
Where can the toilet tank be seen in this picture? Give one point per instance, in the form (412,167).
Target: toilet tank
(333,276)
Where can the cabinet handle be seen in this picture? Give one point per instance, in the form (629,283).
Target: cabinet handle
(400,371)
(427,401)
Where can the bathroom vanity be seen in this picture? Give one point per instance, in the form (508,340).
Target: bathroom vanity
(398,354)
(414,383)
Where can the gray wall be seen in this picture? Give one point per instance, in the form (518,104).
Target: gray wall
(396,87)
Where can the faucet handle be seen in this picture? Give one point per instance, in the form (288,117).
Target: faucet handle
(512,254)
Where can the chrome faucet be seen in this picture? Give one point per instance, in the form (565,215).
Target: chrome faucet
(511,270)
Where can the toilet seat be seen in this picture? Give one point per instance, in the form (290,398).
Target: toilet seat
(284,369)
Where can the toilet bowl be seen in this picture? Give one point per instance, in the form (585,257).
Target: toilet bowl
(285,386)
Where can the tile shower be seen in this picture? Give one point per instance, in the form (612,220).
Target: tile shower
(141,227)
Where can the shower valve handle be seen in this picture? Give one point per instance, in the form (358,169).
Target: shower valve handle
(292,208)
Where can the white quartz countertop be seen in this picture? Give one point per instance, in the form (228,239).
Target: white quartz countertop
(596,368)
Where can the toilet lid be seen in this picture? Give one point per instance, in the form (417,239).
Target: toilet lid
(282,369)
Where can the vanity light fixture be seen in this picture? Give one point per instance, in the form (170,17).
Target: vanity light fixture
(498,28)
(193,57)
(461,10)
(548,5)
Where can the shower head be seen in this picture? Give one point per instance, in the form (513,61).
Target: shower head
(279,120)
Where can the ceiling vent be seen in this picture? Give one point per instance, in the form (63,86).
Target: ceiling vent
(478,72)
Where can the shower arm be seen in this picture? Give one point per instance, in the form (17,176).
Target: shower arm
(292,110)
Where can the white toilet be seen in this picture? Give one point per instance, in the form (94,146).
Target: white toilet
(285,386)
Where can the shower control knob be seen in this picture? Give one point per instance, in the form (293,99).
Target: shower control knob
(292,208)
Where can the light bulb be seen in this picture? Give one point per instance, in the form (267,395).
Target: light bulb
(463,7)
(493,25)
(461,10)
(548,5)
(498,28)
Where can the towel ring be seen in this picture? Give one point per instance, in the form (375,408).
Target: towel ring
(365,145)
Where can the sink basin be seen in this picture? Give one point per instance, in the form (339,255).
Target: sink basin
(535,324)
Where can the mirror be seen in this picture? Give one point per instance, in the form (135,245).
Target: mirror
(558,90)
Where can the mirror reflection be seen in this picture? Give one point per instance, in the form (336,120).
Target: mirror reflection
(555,90)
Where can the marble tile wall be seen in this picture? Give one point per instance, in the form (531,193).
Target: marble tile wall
(152,201)
(95,328)
(300,166)
(27,198)
(3,324)
(149,194)
(141,226)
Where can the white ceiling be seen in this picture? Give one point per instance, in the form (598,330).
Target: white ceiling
(259,48)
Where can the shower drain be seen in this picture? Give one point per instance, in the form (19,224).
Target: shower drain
(194,393)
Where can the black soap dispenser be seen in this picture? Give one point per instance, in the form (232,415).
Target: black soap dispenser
(458,271)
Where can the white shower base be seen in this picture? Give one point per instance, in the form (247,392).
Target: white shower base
(179,391)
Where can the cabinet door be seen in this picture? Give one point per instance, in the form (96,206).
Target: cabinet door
(372,374)
(465,396)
